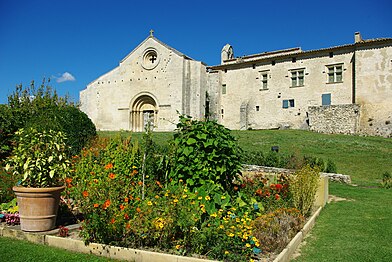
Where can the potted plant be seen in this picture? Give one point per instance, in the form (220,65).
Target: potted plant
(40,161)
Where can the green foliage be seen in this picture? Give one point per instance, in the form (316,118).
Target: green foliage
(7,181)
(387,180)
(41,108)
(276,229)
(205,152)
(39,159)
(10,207)
(303,188)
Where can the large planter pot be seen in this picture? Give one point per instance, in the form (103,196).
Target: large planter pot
(38,207)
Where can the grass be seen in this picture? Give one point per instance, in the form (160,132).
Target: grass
(358,229)
(19,250)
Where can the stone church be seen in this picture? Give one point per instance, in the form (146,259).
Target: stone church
(342,89)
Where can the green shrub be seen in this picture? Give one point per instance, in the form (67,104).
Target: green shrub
(387,180)
(68,119)
(7,181)
(205,152)
(303,187)
(42,109)
(276,229)
(330,167)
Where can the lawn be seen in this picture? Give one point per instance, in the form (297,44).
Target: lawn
(20,250)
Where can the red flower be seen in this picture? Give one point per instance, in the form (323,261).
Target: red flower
(277,196)
(85,193)
(112,221)
(106,204)
(122,207)
(126,199)
(126,216)
(272,186)
(96,205)
(278,187)
(112,176)
(259,192)
(109,166)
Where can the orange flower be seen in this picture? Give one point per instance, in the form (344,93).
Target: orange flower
(134,172)
(92,173)
(113,220)
(138,209)
(140,183)
(96,205)
(106,204)
(128,226)
(68,180)
(95,180)
(85,193)
(122,207)
(112,176)
(126,199)
(109,166)
(158,183)
(126,216)
(277,196)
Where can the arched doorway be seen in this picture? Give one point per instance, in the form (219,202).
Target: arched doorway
(144,111)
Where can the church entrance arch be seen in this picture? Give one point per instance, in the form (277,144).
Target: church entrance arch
(143,112)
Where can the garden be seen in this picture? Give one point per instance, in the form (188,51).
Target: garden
(185,197)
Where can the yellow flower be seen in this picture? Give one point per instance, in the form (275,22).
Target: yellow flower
(214,215)
(230,235)
(207,198)
(221,227)
(178,246)
(149,203)
(223,197)
(166,194)
(251,260)
(248,245)
(184,196)
(200,198)
(226,252)
(175,200)
(185,190)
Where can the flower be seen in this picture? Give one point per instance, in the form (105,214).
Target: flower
(134,167)
(112,176)
(207,198)
(149,203)
(126,216)
(214,215)
(126,199)
(178,246)
(138,209)
(134,172)
(109,166)
(230,234)
(223,197)
(96,205)
(140,183)
(200,198)
(106,204)
(85,193)
(278,187)
(122,207)
(175,200)
(277,197)
(112,221)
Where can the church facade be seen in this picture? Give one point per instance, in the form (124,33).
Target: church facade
(343,89)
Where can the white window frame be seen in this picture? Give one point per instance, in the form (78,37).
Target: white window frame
(334,75)
(297,77)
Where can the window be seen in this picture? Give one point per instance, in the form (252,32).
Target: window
(222,113)
(297,77)
(287,103)
(264,80)
(335,73)
(223,89)
(257,108)
(326,99)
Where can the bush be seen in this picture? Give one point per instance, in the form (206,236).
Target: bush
(205,152)
(276,229)
(303,188)
(7,181)
(42,109)
(68,119)
(387,180)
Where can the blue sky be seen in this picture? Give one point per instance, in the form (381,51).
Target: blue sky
(74,42)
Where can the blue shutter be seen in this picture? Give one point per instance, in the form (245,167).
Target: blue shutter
(326,99)
(285,103)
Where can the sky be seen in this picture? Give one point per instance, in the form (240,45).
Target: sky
(74,42)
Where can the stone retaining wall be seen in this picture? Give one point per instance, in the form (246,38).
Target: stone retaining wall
(334,119)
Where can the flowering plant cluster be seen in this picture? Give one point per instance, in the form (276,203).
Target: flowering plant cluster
(125,205)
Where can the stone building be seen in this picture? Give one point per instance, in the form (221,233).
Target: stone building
(342,89)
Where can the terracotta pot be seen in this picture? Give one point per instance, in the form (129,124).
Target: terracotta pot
(38,207)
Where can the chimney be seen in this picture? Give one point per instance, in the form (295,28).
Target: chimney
(358,37)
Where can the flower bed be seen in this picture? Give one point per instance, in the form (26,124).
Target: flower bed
(189,201)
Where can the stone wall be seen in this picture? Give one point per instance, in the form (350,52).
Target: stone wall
(334,119)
